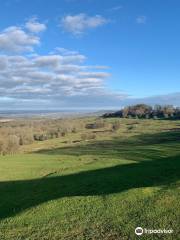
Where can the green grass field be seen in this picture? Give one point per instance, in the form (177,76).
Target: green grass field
(99,189)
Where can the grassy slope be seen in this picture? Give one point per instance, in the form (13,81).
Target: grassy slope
(100,189)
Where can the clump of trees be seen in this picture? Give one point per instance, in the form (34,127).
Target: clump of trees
(145,111)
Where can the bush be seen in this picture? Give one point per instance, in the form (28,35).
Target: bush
(74,130)
(116,125)
(63,134)
(131,127)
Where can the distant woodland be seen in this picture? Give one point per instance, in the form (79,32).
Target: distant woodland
(16,133)
(145,111)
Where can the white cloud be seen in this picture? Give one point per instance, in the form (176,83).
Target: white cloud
(15,39)
(47,61)
(60,76)
(49,77)
(78,24)
(141,19)
(65,51)
(55,60)
(3,63)
(34,26)
(115,8)
(94,74)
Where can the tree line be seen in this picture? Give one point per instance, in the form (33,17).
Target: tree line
(147,112)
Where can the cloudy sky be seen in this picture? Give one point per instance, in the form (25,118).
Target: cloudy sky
(89,53)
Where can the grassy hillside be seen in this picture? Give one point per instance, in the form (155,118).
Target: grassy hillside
(99,189)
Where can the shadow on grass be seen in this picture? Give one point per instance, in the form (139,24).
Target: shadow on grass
(17,196)
(136,148)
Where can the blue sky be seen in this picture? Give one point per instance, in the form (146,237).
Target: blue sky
(89,53)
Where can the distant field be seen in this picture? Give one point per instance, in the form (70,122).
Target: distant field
(100,189)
